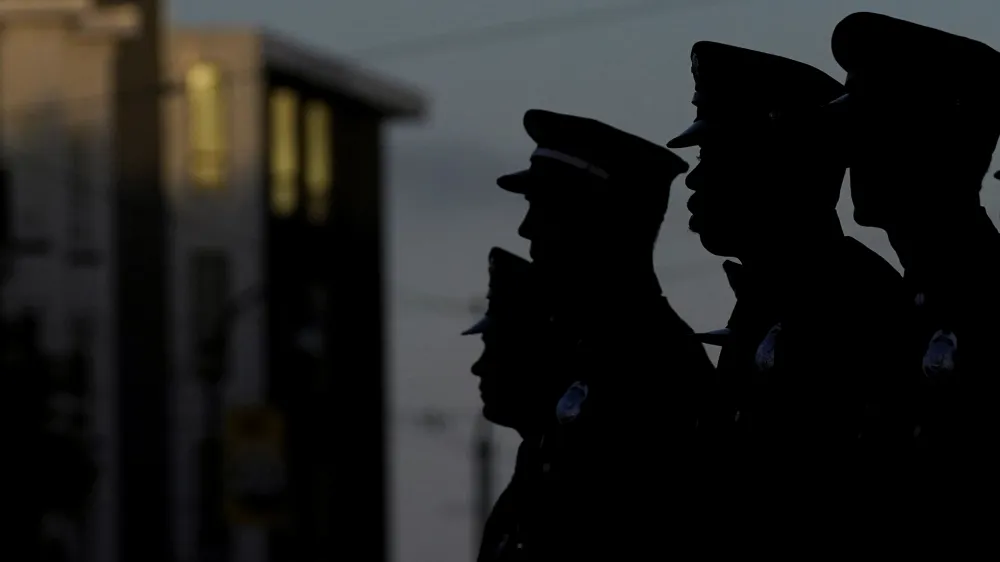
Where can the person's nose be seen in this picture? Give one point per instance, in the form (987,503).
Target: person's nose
(479,367)
(528,228)
(695,179)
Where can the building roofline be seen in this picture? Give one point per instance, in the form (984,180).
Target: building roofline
(382,94)
(123,20)
(51,6)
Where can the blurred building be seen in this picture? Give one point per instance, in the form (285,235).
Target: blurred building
(197,215)
(79,115)
(274,168)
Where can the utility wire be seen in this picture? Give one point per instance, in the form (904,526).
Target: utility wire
(504,32)
(498,33)
(491,34)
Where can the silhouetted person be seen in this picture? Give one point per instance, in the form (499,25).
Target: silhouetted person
(807,370)
(618,464)
(519,383)
(923,120)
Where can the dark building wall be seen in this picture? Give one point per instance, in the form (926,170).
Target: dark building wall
(144,522)
(292,373)
(332,403)
(355,325)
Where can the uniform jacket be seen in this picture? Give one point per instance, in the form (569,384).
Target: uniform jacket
(811,397)
(954,346)
(617,465)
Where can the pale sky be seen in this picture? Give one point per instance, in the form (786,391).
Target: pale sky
(446,211)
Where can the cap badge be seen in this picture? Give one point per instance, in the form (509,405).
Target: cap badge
(939,359)
(571,403)
(765,356)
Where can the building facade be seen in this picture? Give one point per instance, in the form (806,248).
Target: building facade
(273,164)
(61,100)
(198,213)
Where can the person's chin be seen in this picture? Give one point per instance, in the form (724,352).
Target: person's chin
(544,257)
(497,415)
(868,218)
(861,217)
(694,224)
(534,252)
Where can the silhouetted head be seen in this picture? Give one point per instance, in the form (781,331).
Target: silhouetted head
(765,161)
(595,193)
(921,118)
(517,381)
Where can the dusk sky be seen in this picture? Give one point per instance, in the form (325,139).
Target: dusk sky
(631,70)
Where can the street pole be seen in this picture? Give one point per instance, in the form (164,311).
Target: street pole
(6,220)
(214,539)
(214,533)
(483,477)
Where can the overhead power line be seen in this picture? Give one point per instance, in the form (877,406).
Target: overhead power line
(497,33)
(489,34)
(503,32)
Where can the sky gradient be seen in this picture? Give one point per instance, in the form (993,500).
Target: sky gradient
(445,211)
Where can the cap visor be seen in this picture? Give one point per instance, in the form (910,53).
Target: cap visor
(518,182)
(834,119)
(837,107)
(692,136)
(715,337)
(478,327)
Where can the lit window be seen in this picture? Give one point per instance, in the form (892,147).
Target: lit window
(319,165)
(207,126)
(284,152)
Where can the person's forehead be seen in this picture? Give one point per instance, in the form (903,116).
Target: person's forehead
(557,199)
